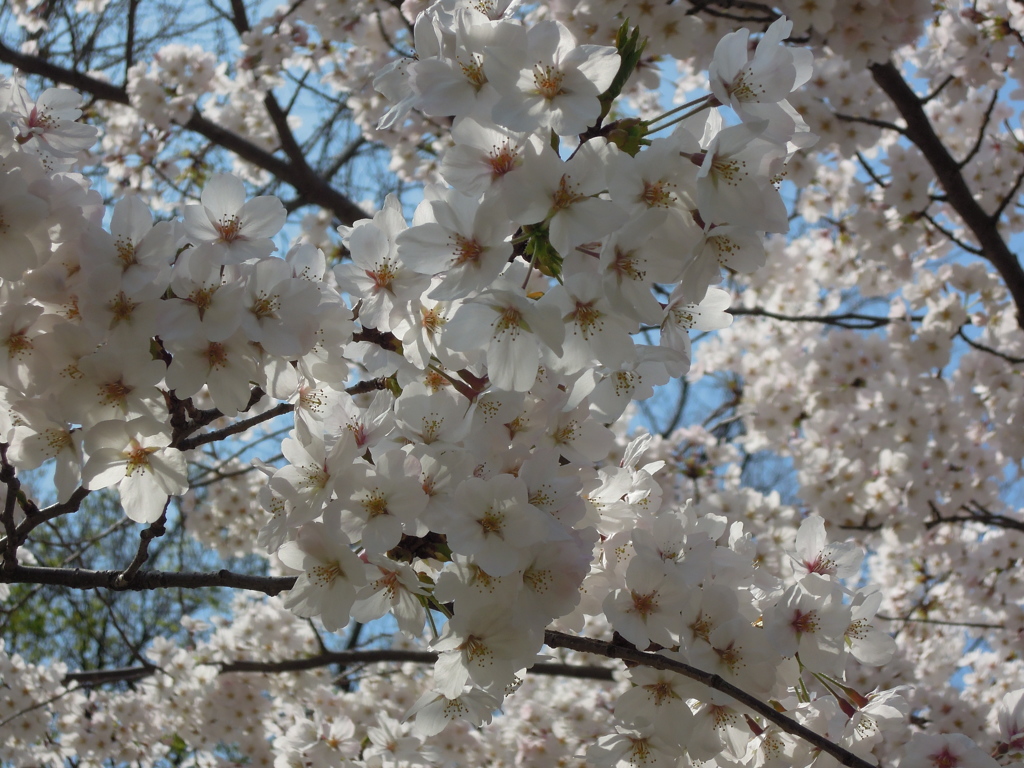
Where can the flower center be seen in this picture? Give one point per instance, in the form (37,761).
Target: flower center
(503,159)
(375,505)
(566,194)
(467,250)
(645,604)
(656,194)
(229,227)
(548,80)
(216,355)
(18,344)
(474,72)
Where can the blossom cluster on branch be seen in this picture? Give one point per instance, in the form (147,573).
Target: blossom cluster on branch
(456,464)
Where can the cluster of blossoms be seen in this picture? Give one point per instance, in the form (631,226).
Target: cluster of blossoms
(469,485)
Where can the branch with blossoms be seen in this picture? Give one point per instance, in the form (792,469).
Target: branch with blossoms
(311,187)
(984,226)
(473,475)
(713,681)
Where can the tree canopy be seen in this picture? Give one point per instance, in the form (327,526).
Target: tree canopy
(482,383)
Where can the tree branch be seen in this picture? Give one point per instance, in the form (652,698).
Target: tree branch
(986,118)
(157,529)
(885,124)
(233,429)
(653,660)
(984,348)
(311,187)
(347,658)
(78,578)
(947,171)
(845,320)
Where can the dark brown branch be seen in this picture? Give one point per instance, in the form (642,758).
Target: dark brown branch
(986,118)
(315,190)
(977,515)
(78,578)
(205,417)
(157,529)
(653,660)
(870,171)
(129,42)
(49,513)
(1010,196)
(884,124)
(7,476)
(233,429)
(941,86)
(373,656)
(845,320)
(973,624)
(949,235)
(947,171)
(984,348)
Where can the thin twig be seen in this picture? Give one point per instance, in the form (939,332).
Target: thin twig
(974,624)
(846,320)
(983,348)
(869,121)
(157,529)
(985,119)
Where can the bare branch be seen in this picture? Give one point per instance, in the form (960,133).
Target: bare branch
(327,659)
(974,624)
(845,320)
(941,86)
(978,514)
(949,235)
(7,476)
(78,578)
(885,124)
(157,529)
(1010,196)
(870,171)
(55,510)
(233,429)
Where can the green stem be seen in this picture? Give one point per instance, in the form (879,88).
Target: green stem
(680,119)
(687,105)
